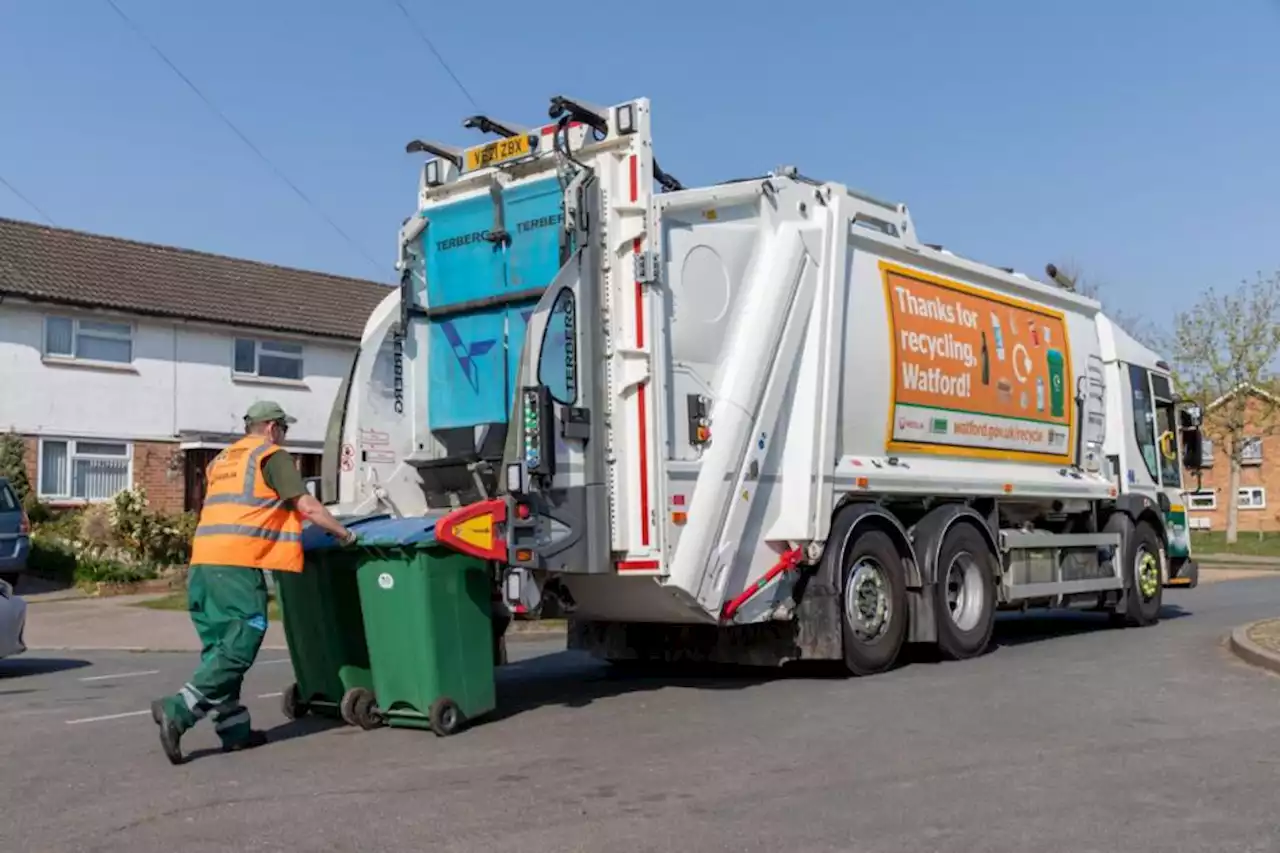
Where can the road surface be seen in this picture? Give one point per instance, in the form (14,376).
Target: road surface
(1068,736)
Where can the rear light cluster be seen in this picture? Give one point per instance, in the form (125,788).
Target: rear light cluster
(24,525)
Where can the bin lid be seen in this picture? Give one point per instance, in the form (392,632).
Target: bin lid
(379,530)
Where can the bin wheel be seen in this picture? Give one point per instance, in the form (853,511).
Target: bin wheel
(358,708)
(445,717)
(291,703)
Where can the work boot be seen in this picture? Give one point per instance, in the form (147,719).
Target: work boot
(255,738)
(170,734)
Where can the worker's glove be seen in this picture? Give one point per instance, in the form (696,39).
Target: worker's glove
(351,538)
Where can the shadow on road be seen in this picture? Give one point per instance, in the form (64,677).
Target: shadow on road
(22,667)
(574,680)
(310,725)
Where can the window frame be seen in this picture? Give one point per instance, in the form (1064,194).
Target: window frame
(1262,492)
(1251,458)
(257,375)
(1211,494)
(74,356)
(64,494)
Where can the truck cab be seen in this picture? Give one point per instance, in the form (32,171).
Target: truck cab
(1152,438)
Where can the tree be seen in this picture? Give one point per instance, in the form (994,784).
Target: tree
(1223,351)
(13,465)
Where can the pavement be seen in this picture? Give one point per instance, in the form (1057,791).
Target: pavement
(1070,735)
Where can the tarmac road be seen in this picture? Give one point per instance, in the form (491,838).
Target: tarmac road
(1069,736)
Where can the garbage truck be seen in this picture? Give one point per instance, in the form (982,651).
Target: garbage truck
(755,422)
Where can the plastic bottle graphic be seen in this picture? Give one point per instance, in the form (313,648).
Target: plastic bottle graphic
(995,330)
(1057,391)
(986,361)
(1039,394)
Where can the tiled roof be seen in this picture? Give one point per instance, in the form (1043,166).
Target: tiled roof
(92,271)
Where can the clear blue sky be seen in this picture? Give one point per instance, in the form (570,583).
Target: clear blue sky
(1137,138)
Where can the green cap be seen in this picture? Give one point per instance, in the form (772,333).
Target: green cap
(267,410)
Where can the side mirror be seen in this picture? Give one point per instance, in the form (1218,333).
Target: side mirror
(1192,448)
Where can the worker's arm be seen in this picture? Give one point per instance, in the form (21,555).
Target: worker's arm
(282,475)
(314,511)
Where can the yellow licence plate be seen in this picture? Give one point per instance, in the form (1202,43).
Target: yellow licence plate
(501,151)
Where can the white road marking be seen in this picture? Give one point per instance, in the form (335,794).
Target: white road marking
(107,717)
(269,662)
(122,675)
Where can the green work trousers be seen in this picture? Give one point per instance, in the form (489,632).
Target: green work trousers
(229,609)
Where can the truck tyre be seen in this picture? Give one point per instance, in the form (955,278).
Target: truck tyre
(873,604)
(1143,584)
(965,593)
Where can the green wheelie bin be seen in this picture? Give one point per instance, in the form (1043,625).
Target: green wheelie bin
(320,609)
(429,624)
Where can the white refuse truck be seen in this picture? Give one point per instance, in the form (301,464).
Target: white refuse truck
(757,421)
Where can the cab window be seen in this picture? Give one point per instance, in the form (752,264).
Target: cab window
(1166,431)
(1144,423)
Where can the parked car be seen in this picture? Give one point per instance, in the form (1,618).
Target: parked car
(15,535)
(13,619)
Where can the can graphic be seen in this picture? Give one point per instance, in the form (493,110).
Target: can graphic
(1039,394)
(1057,389)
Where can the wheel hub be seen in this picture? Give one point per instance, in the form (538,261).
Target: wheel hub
(965,593)
(866,600)
(1148,574)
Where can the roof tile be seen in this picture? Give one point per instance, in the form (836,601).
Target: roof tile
(73,267)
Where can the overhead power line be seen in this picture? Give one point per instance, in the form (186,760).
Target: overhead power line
(243,138)
(431,47)
(31,204)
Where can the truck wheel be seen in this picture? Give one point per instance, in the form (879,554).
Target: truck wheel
(874,604)
(965,595)
(444,717)
(291,703)
(1144,588)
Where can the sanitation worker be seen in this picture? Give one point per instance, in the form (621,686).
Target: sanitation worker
(251,522)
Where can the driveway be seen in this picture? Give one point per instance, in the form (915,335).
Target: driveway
(1068,736)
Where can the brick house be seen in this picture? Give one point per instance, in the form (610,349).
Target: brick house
(126,363)
(1207,503)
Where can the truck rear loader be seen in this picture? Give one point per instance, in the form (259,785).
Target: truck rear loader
(755,422)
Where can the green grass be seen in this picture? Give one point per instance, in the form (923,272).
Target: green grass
(178,601)
(1247,543)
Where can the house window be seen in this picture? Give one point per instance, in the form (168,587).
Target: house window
(268,359)
(1251,451)
(74,339)
(1253,497)
(83,470)
(1203,499)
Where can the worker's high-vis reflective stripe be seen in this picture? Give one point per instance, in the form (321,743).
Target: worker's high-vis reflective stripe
(243,521)
(246,530)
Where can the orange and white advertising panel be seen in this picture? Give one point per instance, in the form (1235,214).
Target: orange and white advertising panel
(976,373)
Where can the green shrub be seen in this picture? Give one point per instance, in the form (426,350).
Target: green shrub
(94,569)
(52,559)
(13,465)
(58,524)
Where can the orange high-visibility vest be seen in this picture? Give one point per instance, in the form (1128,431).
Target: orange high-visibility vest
(244,522)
